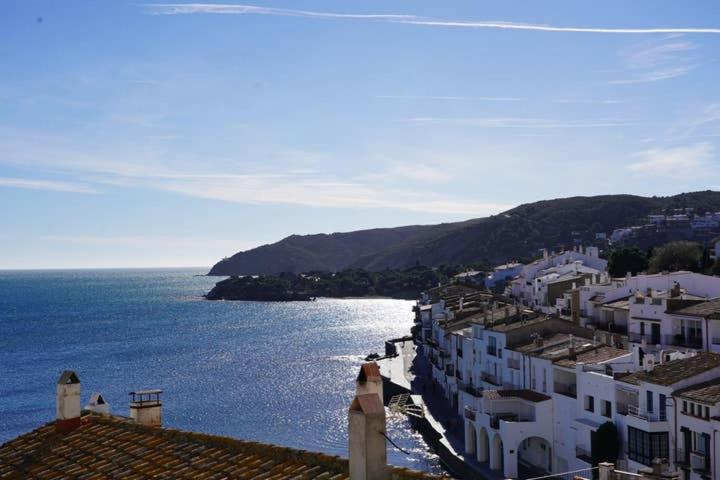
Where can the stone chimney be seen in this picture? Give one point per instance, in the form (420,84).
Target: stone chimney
(675,291)
(146,407)
(367,446)
(571,349)
(67,402)
(98,404)
(369,381)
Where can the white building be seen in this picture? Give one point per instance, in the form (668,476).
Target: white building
(698,422)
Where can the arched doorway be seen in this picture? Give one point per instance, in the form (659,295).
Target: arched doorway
(496,453)
(470,438)
(483,446)
(534,457)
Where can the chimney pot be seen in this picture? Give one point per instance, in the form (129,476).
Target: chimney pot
(146,407)
(369,381)
(98,404)
(67,402)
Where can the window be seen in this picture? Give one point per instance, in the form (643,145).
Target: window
(649,401)
(684,406)
(662,408)
(699,443)
(606,409)
(589,403)
(544,381)
(707,412)
(644,446)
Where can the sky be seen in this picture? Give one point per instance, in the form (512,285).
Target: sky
(173,134)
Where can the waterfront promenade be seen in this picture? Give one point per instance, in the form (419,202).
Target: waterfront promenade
(442,428)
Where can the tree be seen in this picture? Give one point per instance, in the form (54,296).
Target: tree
(676,256)
(626,260)
(605,444)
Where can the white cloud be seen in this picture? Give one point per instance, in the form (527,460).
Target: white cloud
(519,122)
(691,161)
(449,98)
(234,9)
(659,60)
(48,185)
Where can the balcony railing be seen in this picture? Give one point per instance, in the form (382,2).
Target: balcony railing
(569,390)
(470,389)
(487,377)
(622,408)
(513,363)
(698,461)
(648,416)
(470,413)
(680,340)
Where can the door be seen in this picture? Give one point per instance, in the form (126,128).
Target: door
(655,333)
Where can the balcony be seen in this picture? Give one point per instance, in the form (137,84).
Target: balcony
(647,416)
(495,419)
(569,390)
(513,363)
(680,340)
(489,378)
(470,413)
(622,408)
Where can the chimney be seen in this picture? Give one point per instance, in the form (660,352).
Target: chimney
(67,402)
(369,381)
(146,407)
(571,349)
(366,443)
(675,290)
(545,253)
(460,303)
(98,404)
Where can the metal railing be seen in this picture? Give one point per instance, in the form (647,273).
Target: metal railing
(513,363)
(638,338)
(648,416)
(585,473)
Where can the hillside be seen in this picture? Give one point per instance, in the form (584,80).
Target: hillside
(516,233)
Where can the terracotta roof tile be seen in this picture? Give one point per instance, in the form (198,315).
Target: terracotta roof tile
(675,370)
(115,447)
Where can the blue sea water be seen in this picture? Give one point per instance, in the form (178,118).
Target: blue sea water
(275,372)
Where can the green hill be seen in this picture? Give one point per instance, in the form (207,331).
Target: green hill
(514,234)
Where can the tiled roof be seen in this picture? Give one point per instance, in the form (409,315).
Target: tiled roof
(528,395)
(675,370)
(706,392)
(595,355)
(115,447)
(710,309)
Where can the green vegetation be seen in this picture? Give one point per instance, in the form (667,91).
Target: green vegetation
(516,234)
(676,256)
(605,444)
(626,260)
(405,284)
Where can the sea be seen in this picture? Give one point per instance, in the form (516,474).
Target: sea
(278,372)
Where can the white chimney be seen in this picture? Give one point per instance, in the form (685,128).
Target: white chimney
(146,407)
(67,402)
(369,381)
(366,443)
(97,404)
(461,302)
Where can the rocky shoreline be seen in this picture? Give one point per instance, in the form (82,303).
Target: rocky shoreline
(404,285)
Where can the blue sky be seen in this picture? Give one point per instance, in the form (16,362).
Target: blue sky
(136,134)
